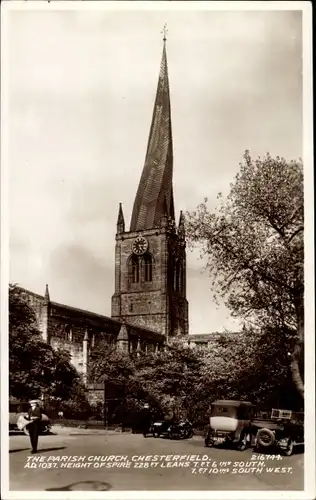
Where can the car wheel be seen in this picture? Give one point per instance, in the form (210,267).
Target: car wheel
(289,448)
(175,435)
(243,441)
(190,435)
(265,438)
(208,442)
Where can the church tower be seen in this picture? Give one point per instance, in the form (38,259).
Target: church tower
(150,258)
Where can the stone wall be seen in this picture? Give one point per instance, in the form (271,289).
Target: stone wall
(143,303)
(36,302)
(67,328)
(157,304)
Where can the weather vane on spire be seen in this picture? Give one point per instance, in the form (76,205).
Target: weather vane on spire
(164,32)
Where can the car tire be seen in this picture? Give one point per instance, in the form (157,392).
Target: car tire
(208,442)
(243,442)
(174,435)
(289,449)
(265,438)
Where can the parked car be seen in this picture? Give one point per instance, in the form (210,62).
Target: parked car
(230,423)
(282,429)
(17,409)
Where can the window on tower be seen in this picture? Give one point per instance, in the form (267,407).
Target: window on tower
(133,269)
(178,276)
(148,267)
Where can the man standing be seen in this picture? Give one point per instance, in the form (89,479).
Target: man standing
(34,415)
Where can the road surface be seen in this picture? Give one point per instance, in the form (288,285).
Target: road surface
(209,469)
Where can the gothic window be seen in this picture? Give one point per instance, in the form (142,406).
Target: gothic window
(171,272)
(133,344)
(133,269)
(177,276)
(148,271)
(183,279)
(68,333)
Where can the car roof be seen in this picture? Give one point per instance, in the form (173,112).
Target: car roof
(227,402)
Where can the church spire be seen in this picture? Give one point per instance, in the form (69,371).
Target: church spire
(120,225)
(156,180)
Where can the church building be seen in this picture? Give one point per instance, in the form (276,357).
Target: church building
(150,258)
(149,304)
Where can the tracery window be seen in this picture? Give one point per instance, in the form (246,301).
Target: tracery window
(133,269)
(140,268)
(178,276)
(148,271)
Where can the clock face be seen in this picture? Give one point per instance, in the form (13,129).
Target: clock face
(140,245)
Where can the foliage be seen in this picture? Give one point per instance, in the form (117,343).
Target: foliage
(35,368)
(183,381)
(76,405)
(171,378)
(254,248)
(108,363)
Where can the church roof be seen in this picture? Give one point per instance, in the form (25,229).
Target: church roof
(154,196)
(90,318)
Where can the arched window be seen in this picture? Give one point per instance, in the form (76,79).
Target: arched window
(177,276)
(133,269)
(171,265)
(148,267)
(175,265)
(68,333)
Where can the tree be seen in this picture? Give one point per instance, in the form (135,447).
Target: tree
(63,377)
(171,378)
(251,367)
(163,379)
(35,368)
(108,363)
(184,381)
(76,405)
(254,249)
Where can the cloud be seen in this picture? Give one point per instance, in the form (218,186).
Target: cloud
(81,92)
(80,279)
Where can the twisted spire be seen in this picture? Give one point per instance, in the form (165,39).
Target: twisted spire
(155,191)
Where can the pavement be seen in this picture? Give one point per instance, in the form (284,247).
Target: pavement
(81,431)
(124,461)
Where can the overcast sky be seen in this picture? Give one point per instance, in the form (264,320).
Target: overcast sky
(81,92)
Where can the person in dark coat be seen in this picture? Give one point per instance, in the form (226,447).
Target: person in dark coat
(35,416)
(145,419)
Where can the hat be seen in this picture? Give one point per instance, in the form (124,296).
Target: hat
(33,401)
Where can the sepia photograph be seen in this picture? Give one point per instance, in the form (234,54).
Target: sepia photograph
(157,250)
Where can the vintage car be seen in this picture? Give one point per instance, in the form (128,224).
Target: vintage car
(230,423)
(282,429)
(17,409)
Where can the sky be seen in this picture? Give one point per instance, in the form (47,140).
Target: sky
(81,89)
